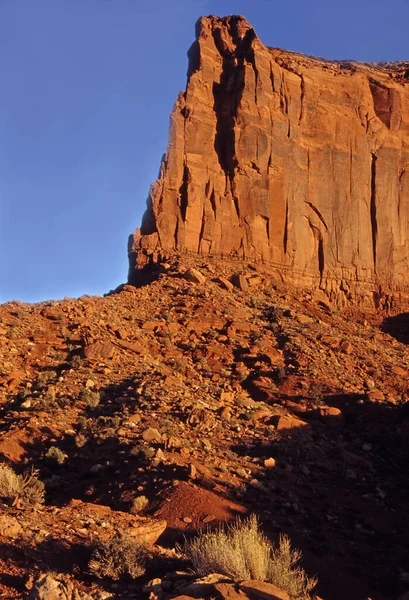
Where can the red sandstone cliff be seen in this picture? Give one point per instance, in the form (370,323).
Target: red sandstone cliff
(297,162)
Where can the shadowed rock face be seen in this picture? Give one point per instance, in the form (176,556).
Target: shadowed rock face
(299,163)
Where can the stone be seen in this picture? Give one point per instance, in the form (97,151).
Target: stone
(203,587)
(134,419)
(151,434)
(269,463)
(240,282)
(287,423)
(330,341)
(147,531)
(354,460)
(227,591)
(399,371)
(9,526)
(48,587)
(226,413)
(227,396)
(260,414)
(288,160)
(347,347)
(376,395)
(304,319)
(98,350)
(192,471)
(260,590)
(121,334)
(331,416)
(274,356)
(194,276)
(224,283)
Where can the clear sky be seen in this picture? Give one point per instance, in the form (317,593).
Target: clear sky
(87,87)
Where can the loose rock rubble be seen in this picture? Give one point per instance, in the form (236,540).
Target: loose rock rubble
(199,402)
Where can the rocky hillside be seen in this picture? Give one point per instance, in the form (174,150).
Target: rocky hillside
(296,162)
(209,392)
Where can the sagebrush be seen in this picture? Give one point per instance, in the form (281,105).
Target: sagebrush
(118,558)
(241,552)
(20,488)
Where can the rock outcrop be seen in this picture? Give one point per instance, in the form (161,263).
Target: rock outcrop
(298,163)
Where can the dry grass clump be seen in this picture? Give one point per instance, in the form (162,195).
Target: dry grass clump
(10,483)
(54,454)
(24,488)
(138,504)
(243,552)
(91,398)
(117,558)
(285,572)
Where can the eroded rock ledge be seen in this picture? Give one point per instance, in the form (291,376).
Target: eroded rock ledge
(296,162)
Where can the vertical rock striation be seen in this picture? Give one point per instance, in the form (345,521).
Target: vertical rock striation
(299,163)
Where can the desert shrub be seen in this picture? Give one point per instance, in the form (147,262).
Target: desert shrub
(10,483)
(117,558)
(45,377)
(91,398)
(285,572)
(26,488)
(242,552)
(76,361)
(80,440)
(56,455)
(138,504)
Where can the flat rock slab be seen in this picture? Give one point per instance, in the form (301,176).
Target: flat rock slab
(260,590)
(227,591)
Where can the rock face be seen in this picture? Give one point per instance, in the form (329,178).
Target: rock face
(298,163)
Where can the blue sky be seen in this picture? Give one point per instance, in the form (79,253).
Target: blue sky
(87,87)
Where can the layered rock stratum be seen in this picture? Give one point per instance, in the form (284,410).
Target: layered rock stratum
(298,163)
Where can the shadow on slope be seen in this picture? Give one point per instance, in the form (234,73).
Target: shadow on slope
(339,488)
(398,327)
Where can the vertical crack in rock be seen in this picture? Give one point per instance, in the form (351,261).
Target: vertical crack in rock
(285,237)
(228,92)
(400,190)
(272,79)
(236,205)
(320,246)
(176,234)
(183,192)
(202,228)
(374,223)
(317,212)
(213,202)
(382,101)
(321,261)
(251,58)
(283,96)
(302,95)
